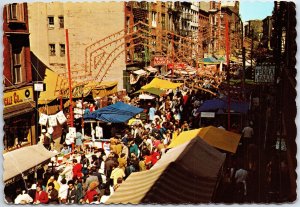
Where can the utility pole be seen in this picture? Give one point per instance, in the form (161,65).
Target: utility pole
(70,80)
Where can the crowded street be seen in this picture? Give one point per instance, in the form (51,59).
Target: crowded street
(196,105)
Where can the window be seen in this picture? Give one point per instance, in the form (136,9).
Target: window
(62,50)
(52,49)
(15,13)
(153,19)
(61,22)
(17,66)
(50,22)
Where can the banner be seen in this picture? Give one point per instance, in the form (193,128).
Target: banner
(99,132)
(61,117)
(43,119)
(52,120)
(50,130)
(72,132)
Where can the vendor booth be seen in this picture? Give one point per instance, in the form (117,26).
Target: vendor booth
(188,173)
(215,137)
(23,161)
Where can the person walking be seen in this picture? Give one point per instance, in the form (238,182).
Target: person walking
(151,114)
(241,177)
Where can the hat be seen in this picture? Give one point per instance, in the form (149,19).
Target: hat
(43,130)
(47,135)
(33,187)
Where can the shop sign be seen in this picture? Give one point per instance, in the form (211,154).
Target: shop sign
(208,114)
(160,60)
(177,66)
(17,97)
(264,74)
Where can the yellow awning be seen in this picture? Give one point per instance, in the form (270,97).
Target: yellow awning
(53,84)
(214,136)
(183,137)
(162,84)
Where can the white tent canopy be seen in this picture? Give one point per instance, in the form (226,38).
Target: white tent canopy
(23,159)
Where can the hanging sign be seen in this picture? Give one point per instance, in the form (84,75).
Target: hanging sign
(61,117)
(99,132)
(265,74)
(72,132)
(43,119)
(52,120)
(208,114)
(50,130)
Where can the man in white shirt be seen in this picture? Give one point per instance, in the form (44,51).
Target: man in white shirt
(241,176)
(63,190)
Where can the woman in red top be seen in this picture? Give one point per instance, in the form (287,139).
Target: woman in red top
(91,192)
(40,196)
(77,169)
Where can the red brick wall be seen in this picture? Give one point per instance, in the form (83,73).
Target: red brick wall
(23,39)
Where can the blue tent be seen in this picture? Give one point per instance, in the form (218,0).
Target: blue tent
(116,113)
(215,104)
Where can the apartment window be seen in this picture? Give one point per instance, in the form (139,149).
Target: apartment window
(51,22)
(17,66)
(15,13)
(52,49)
(153,19)
(61,22)
(62,50)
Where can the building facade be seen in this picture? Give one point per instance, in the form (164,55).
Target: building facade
(267,32)
(18,97)
(204,28)
(89,28)
(219,13)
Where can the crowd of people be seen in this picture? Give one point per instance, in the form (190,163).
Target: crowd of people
(91,175)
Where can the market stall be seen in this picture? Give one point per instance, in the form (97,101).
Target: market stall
(216,137)
(23,161)
(188,173)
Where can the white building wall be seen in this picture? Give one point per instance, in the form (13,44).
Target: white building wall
(87,23)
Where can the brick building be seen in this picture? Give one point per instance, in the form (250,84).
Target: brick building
(18,94)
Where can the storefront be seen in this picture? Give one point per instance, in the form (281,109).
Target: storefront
(18,114)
